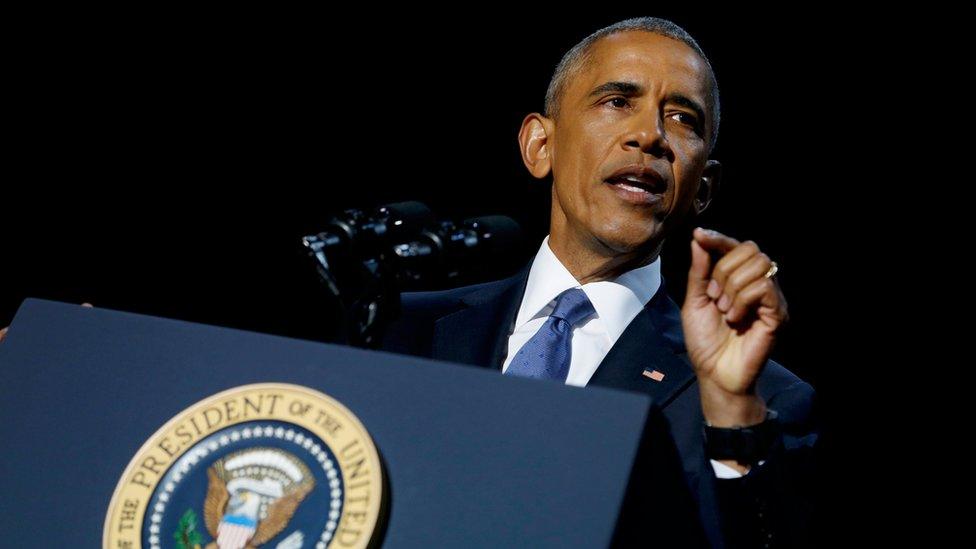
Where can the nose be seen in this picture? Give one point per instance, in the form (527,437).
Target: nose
(648,136)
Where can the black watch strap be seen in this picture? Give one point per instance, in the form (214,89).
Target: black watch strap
(747,445)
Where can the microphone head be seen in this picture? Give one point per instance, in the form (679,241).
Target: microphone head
(497,234)
(405,219)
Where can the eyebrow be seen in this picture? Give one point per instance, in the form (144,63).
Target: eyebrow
(625,88)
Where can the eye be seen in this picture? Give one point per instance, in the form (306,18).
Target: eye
(687,119)
(618,102)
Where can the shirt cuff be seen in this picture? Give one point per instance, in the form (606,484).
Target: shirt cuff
(724,471)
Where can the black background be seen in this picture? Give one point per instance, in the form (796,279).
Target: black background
(168,163)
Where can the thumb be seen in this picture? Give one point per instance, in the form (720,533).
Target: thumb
(699,275)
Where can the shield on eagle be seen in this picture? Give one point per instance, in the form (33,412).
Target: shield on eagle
(252,495)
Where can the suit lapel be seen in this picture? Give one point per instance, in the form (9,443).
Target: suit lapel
(478,333)
(652,342)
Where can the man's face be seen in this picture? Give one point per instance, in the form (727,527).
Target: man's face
(630,142)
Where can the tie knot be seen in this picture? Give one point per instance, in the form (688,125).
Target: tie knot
(572,306)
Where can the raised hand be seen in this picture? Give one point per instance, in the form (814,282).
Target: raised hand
(732,311)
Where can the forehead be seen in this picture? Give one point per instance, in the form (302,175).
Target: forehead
(656,62)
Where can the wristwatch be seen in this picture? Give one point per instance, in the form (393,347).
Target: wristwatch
(747,445)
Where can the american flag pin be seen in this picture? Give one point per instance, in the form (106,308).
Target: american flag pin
(653,374)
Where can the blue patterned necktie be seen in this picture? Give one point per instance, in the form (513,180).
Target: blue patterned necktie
(547,354)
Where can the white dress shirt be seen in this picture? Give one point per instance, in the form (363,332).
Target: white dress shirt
(616,303)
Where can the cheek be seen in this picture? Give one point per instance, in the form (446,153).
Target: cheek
(576,168)
(588,147)
(681,200)
(687,175)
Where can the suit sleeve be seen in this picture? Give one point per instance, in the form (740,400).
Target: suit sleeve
(774,504)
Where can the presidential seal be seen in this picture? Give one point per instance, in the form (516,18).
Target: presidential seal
(267,465)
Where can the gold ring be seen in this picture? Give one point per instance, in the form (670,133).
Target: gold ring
(773,269)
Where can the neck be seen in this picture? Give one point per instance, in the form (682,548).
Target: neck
(596,261)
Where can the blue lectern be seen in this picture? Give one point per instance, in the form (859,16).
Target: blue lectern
(469,458)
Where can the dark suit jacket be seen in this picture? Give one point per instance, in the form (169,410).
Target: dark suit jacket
(470,325)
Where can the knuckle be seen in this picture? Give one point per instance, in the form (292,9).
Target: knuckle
(736,281)
(720,272)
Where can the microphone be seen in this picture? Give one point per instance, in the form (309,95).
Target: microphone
(453,252)
(359,231)
(355,234)
(367,259)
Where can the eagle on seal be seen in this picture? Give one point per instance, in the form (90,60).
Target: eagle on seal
(252,495)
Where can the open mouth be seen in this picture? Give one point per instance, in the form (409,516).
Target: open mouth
(638,184)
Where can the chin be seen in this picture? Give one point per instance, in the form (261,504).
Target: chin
(631,237)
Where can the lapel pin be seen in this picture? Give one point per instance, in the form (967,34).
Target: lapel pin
(653,374)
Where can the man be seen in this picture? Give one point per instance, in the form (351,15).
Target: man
(631,116)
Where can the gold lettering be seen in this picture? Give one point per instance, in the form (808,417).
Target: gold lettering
(358,485)
(327,421)
(128,516)
(140,478)
(348,537)
(359,517)
(230,410)
(166,446)
(298,408)
(358,468)
(274,401)
(350,450)
(153,465)
(185,436)
(211,423)
(251,405)
(364,499)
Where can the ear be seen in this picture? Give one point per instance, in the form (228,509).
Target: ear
(711,179)
(534,143)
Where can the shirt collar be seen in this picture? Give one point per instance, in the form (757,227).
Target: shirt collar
(616,301)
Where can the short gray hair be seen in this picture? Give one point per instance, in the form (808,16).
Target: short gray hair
(576,57)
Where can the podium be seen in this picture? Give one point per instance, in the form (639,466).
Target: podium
(469,458)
